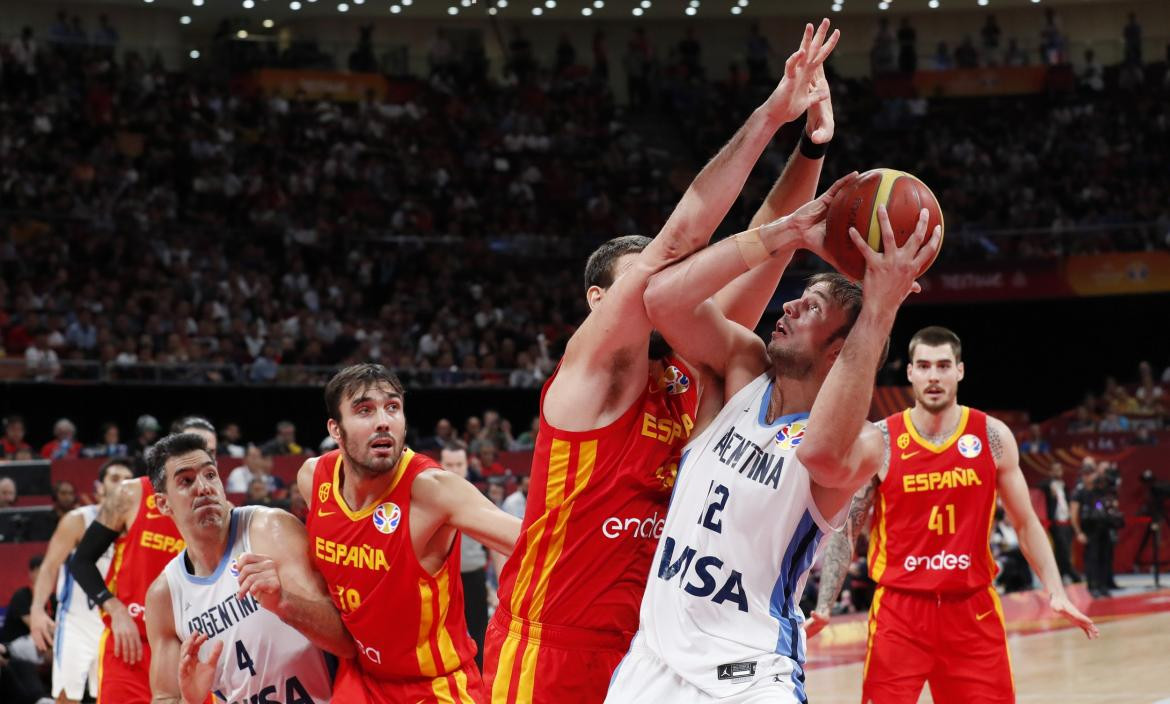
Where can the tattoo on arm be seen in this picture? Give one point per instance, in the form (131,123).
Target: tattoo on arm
(995,441)
(885,430)
(839,551)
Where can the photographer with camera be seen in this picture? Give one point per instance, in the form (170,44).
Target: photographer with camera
(1096,518)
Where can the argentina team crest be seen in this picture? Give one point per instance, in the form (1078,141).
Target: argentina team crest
(791,434)
(387,517)
(969,446)
(674,381)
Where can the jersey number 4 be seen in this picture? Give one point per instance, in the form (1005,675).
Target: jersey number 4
(243,659)
(936,519)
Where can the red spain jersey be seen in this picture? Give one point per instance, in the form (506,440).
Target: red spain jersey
(596,507)
(140,555)
(408,624)
(935,509)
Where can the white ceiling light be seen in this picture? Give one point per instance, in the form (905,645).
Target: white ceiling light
(637,12)
(194,54)
(646,4)
(736,10)
(538,11)
(586,11)
(395,9)
(933,4)
(249,4)
(599,4)
(197,3)
(242,34)
(268,24)
(550,4)
(452,10)
(343,7)
(294,5)
(492,11)
(690,11)
(883,5)
(185,19)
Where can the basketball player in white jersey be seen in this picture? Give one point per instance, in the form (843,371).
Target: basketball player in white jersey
(242,594)
(780,445)
(73,636)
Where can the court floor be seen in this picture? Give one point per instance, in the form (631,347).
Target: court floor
(1128,664)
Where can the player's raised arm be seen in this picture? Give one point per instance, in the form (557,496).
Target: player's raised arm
(746,298)
(623,324)
(678,298)
(834,463)
(278,573)
(1017,504)
(65,537)
(458,503)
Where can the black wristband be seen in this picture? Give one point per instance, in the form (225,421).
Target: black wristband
(102,598)
(94,542)
(810,149)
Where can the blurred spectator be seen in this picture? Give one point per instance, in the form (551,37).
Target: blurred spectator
(40,360)
(64,498)
(1056,500)
(1149,395)
(881,54)
(148,428)
(285,442)
(22,64)
(473,557)
(444,435)
(990,35)
(105,36)
(15,633)
(690,52)
(1143,436)
(259,493)
(527,439)
(1132,34)
(486,461)
(1083,421)
(966,56)
(638,64)
(907,47)
(1052,39)
(297,505)
(758,51)
(110,446)
(1094,515)
(13,440)
(1035,443)
(496,490)
(942,61)
(257,464)
(1113,422)
(600,56)
(229,441)
(1092,75)
(1015,56)
(566,55)
(517,502)
(1014,573)
(63,445)
(7,492)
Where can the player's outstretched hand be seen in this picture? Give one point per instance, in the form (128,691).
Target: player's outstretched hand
(815,624)
(820,125)
(798,88)
(259,578)
(809,220)
(889,274)
(127,640)
(1061,605)
(41,627)
(195,675)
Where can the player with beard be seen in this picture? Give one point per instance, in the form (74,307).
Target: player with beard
(75,634)
(144,542)
(613,419)
(778,450)
(244,581)
(384,525)
(935,615)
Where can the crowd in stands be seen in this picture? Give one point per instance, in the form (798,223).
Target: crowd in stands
(253,239)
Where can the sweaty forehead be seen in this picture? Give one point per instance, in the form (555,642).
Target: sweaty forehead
(933,353)
(374,392)
(191,460)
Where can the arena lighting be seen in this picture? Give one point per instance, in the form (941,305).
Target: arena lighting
(637,12)
(735,10)
(242,34)
(452,10)
(407,3)
(538,11)
(500,4)
(933,4)
(197,3)
(694,3)
(883,5)
(343,8)
(185,19)
(586,11)
(395,9)
(268,24)
(465,3)
(982,3)
(294,5)
(492,11)
(359,2)
(743,3)
(249,4)
(646,4)
(194,54)
(690,11)
(836,7)
(550,4)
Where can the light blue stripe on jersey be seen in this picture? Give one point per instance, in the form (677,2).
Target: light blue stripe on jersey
(798,558)
(63,599)
(223,561)
(677,477)
(762,416)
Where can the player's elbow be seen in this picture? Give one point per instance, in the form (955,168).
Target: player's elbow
(827,468)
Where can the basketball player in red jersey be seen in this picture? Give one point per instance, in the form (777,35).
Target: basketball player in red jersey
(935,615)
(613,421)
(384,527)
(144,542)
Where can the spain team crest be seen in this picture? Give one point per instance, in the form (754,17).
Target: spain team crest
(387,517)
(674,381)
(790,434)
(323,492)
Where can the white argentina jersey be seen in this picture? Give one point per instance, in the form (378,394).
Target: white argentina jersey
(263,658)
(720,607)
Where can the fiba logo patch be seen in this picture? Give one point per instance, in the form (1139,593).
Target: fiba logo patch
(234,568)
(969,446)
(674,381)
(323,492)
(387,517)
(791,434)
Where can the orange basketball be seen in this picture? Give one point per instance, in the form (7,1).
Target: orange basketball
(856,206)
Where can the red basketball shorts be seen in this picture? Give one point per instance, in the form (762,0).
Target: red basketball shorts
(352,686)
(955,642)
(118,681)
(540,664)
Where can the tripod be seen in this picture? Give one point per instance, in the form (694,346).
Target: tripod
(1153,535)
